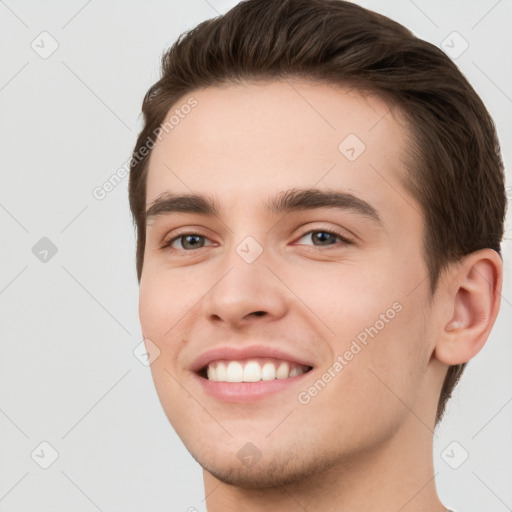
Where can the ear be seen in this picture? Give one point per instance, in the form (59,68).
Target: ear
(473,299)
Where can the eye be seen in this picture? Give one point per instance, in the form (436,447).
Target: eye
(190,241)
(324,238)
(185,242)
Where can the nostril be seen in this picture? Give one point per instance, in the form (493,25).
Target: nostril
(259,313)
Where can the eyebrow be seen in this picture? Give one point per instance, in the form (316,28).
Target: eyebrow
(285,202)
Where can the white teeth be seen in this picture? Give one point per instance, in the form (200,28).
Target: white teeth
(221,372)
(235,372)
(268,372)
(212,373)
(294,372)
(283,371)
(252,371)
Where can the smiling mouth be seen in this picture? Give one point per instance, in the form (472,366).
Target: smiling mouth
(252,370)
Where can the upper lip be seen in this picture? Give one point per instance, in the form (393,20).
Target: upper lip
(230,353)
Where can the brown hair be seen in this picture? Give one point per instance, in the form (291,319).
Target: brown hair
(457,173)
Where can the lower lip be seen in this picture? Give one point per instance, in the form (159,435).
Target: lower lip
(244,392)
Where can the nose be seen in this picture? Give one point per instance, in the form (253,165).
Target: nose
(246,293)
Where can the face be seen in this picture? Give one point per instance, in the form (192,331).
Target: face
(324,286)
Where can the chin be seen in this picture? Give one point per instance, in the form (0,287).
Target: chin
(281,470)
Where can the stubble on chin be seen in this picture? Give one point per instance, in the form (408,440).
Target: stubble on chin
(280,470)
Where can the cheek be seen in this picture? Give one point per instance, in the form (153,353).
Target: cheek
(378,331)
(152,305)
(158,313)
(389,368)
(348,296)
(377,379)
(161,304)
(160,322)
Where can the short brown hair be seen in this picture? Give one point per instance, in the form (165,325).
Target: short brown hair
(456,172)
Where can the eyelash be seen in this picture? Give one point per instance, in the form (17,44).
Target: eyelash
(166,244)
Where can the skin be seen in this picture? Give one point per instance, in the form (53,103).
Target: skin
(364,442)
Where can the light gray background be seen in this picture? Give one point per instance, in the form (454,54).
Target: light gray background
(68,375)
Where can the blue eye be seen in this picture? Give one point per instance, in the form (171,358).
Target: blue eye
(187,241)
(325,238)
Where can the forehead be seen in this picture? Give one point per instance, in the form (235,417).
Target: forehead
(247,141)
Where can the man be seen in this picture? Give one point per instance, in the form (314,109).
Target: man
(319,201)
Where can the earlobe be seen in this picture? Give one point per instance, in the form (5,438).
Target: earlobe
(475,295)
